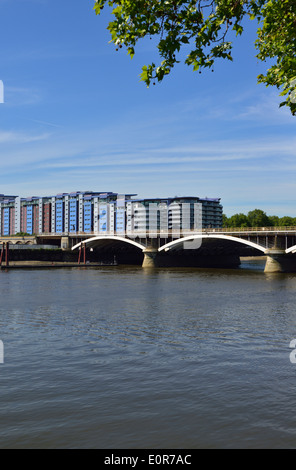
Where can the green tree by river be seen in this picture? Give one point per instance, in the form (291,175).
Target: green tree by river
(257,218)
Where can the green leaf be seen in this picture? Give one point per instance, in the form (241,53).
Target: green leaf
(131,51)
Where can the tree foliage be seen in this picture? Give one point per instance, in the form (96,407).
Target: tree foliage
(258,218)
(203,27)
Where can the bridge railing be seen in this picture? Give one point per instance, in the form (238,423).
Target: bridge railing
(170,232)
(252,229)
(147,232)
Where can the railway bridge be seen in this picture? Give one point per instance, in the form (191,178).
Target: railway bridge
(203,248)
(219,247)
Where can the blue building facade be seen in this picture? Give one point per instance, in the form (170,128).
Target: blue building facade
(106,212)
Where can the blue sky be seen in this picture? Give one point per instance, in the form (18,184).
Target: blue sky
(76,117)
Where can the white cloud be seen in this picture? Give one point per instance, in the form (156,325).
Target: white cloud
(22,96)
(10,137)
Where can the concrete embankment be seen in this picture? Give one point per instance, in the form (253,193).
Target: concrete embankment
(50,265)
(51,258)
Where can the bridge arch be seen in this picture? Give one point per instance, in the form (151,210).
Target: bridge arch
(292,249)
(94,241)
(201,237)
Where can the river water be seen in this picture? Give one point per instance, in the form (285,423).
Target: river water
(128,358)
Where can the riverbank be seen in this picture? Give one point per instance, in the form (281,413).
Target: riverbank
(52,258)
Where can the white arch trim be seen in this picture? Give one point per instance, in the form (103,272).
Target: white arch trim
(292,249)
(170,245)
(109,237)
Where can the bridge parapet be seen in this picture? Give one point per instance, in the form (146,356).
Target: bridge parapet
(272,229)
(143,233)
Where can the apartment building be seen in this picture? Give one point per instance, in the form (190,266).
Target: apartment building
(106,212)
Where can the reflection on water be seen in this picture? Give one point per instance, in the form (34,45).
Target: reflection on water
(124,357)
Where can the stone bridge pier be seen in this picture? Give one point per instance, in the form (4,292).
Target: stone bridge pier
(151,258)
(278,261)
(151,255)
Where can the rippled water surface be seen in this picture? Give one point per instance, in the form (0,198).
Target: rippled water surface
(123,357)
